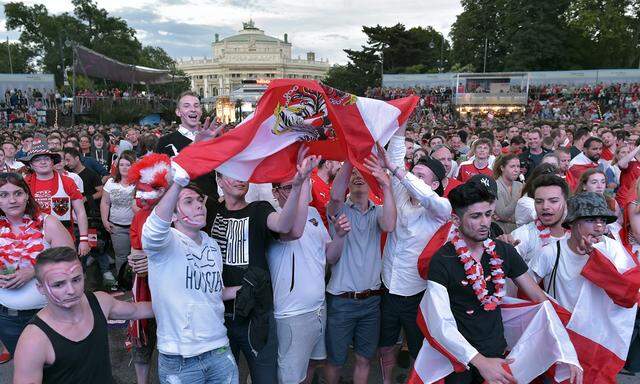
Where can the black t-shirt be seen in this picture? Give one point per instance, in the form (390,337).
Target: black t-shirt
(90,181)
(243,237)
(532,160)
(482,329)
(171,145)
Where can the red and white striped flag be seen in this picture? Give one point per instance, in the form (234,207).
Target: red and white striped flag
(577,167)
(335,124)
(535,338)
(601,322)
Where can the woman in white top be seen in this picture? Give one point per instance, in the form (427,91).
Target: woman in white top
(116,208)
(525,207)
(24,233)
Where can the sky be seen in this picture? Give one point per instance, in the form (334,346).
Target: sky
(186,28)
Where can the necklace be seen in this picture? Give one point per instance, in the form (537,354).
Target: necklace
(475,273)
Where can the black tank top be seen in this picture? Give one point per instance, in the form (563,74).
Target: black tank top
(81,362)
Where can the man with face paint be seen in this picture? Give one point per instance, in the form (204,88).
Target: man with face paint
(550,193)
(67,341)
(185,278)
(466,282)
(572,271)
(189,110)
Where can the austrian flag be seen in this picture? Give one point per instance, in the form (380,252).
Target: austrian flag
(334,124)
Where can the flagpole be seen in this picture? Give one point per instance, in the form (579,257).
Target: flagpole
(9,50)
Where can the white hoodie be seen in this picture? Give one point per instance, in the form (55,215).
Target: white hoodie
(186,285)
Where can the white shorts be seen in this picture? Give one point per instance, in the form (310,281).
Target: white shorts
(300,339)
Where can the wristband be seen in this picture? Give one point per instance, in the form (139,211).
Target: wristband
(180,176)
(395,170)
(84,241)
(84,237)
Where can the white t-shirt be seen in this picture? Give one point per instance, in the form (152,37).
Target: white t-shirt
(530,241)
(77,180)
(525,211)
(185,280)
(568,281)
(121,198)
(298,269)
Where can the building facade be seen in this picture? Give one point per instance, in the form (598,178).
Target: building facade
(249,56)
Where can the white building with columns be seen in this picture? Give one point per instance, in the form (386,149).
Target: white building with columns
(249,55)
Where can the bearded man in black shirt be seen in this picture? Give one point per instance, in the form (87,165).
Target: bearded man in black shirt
(466,282)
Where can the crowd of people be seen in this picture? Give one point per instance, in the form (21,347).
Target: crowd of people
(299,274)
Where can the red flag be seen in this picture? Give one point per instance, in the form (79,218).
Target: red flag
(335,124)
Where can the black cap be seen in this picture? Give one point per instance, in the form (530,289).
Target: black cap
(485,181)
(434,165)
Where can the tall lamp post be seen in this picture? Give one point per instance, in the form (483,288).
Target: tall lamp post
(381,48)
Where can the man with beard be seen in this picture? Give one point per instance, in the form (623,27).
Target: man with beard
(67,341)
(594,278)
(469,303)
(550,193)
(588,158)
(189,110)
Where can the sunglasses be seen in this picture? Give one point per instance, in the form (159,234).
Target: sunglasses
(285,188)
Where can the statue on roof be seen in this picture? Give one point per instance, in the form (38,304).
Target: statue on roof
(249,24)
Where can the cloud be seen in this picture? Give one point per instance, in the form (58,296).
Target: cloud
(186,28)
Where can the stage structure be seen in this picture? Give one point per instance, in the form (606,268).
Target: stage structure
(491,93)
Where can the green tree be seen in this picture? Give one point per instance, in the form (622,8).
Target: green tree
(479,25)
(535,35)
(21,57)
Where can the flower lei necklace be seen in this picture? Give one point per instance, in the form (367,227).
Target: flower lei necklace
(544,232)
(475,273)
(23,246)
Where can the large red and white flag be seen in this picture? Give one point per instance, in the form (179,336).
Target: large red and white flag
(577,167)
(334,124)
(536,339)
(601,322)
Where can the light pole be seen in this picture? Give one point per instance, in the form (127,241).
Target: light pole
(381,48)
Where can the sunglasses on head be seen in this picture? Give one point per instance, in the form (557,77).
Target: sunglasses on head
(282,187)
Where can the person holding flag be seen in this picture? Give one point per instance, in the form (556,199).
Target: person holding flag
(421,210)
(461,311)
(597,280)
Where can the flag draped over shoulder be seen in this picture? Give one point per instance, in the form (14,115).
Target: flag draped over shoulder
(334,124)
(535,337)
(577,167)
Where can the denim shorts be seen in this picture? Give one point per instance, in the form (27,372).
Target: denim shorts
(352,321)
(12,323)
(213,367)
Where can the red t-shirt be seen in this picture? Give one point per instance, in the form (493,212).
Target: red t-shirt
(320,195)
(135,232)
(606,154)
(450,185)
(628,179)
(468,170)
(42,190)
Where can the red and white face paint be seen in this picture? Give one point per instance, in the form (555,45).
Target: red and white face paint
(191,208)
(64,283)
